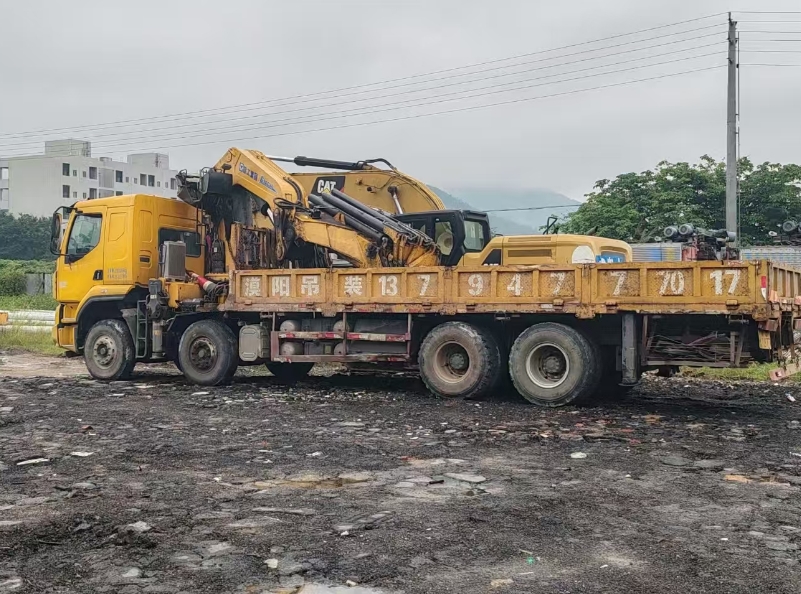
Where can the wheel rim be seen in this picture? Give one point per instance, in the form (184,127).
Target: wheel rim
(104,352)
(451,362)
(547,365)
(203,354)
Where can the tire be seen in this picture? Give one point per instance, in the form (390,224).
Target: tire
(109,351)
(553,365)
(207,353)
(458,360)
(289,373)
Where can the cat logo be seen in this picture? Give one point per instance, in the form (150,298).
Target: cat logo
(328,183)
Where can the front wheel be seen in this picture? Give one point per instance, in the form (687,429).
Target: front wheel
(109,351)
(207,353)
(553,365)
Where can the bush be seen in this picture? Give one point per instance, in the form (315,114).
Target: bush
(12,282)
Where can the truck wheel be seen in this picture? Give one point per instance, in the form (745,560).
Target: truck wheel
(458,360)
(552,365)
(289,373)
(207,353)
(109,351)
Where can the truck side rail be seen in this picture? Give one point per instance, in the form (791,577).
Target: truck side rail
(756,289)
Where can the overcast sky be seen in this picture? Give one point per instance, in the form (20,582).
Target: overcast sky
(85,62)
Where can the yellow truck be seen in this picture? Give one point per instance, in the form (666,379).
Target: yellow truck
(133,286)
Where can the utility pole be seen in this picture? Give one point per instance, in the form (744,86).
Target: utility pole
(731,134)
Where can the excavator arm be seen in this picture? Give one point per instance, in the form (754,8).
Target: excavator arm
(258,207)
(387,189)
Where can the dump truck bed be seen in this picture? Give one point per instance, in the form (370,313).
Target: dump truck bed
(759,290)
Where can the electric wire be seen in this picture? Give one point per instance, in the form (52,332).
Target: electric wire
(364,86)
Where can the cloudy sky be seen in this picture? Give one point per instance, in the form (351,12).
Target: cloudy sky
(259,72)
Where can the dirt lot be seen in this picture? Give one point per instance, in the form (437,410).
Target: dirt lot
(156,486)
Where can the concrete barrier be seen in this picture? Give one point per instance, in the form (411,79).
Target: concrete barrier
(27,321)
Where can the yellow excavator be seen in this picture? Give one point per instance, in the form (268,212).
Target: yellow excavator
(260,216)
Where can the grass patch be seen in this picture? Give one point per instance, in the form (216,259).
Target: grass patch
(17,302)
(755,373)
(33,342)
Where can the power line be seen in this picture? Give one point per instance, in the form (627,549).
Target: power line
(417,116)
(415,102)
(389,107)
(339,102)
(364,86)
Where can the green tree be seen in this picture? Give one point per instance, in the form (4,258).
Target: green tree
(24,238)
(636,207)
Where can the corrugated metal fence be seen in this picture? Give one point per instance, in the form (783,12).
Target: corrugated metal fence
(671,252)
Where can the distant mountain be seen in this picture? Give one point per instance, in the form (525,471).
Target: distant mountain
(522,222)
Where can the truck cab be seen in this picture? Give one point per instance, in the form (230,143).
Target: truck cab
(107,250)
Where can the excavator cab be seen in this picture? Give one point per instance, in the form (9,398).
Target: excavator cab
(456,232)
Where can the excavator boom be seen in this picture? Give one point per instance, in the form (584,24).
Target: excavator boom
(248,194)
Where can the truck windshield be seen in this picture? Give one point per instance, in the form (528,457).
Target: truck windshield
(474,240)
(85,235)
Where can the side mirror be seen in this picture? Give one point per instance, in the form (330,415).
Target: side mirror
(55,234)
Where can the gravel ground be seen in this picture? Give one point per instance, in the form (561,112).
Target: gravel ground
(365,485)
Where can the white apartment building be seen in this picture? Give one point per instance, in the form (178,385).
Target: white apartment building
(66,173)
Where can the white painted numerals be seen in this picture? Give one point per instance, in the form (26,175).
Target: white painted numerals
(620,276)
(389,285)
(425,280)
(719,276)
(672,282)
(475,282)
(514,285)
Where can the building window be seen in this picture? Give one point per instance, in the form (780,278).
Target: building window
(65,191)
(93,173)
(135,182)
(158,184)
(4,172)
(75,194)
(142,179)
(74,173)
(128,180)
(172,183)
(92,193)
(151,180)
(84,194)
(118,177)
(118,193)
(4,202)
(65,169)
(84,173)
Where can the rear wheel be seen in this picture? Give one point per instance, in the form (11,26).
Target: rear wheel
(553,365)
(109,351)
(207,353)
(458,360)
(289,373)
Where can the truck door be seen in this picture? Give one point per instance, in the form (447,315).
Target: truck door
(83,260)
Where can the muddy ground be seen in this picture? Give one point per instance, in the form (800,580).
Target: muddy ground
(370,485)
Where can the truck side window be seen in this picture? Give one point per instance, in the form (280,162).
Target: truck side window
(190,238)
(85,235)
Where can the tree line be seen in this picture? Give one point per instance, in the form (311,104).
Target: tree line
(636,207)
(24,237)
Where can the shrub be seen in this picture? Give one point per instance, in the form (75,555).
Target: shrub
(12,282)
